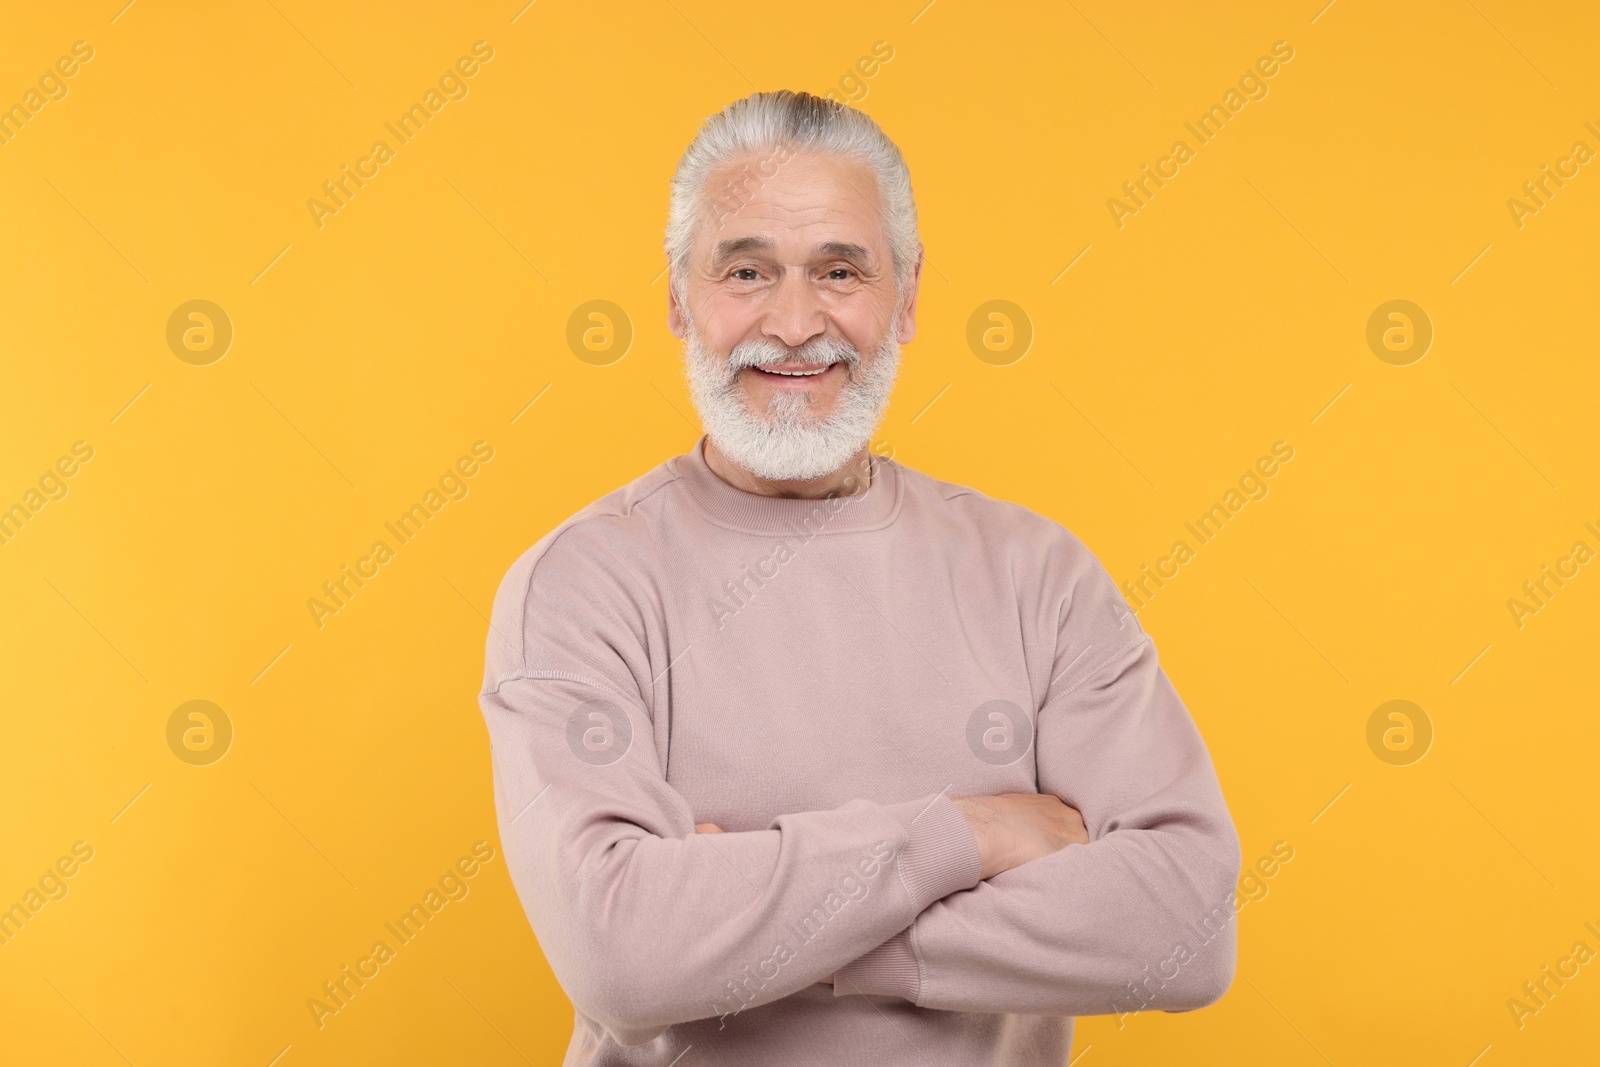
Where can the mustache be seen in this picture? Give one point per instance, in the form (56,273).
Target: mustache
(816,353)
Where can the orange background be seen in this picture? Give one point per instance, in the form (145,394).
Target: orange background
(430,312)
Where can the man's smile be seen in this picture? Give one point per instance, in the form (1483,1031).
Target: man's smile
(796,375)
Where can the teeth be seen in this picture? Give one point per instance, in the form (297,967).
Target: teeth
(797,373)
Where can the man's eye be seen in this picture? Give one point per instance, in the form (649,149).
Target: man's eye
(742,271)
(840,274)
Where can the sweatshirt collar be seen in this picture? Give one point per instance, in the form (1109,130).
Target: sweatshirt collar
(868,509)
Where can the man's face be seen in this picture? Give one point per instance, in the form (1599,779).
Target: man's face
(798,279)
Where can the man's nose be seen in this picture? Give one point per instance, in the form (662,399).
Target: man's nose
(796,313)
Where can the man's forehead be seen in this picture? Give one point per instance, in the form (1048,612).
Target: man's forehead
(813,197)
(788,171)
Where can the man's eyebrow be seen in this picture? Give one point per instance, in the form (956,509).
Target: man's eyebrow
(846,250)
(736,246)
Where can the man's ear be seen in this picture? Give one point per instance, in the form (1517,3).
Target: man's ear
(675,316)
(908,310)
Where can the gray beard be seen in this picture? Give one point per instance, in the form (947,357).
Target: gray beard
(787,443)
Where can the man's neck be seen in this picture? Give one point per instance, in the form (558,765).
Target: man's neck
(854,477)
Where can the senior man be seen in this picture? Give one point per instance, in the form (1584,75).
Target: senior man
(803,756)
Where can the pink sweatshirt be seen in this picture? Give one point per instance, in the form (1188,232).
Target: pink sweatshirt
(818,678)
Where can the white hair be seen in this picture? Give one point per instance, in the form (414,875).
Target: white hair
(773,126)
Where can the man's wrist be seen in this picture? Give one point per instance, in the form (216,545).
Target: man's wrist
(940,854)
(982,820)
(890,970)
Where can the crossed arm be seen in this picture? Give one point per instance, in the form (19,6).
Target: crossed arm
(1136,914)
(1010,829)
(647,923)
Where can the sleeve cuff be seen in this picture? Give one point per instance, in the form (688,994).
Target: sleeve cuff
(940,853)
(890,970)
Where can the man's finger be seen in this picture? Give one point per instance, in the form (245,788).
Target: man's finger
(708,828)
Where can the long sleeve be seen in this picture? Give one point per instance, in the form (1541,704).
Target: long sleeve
(1142,915)
(644,922)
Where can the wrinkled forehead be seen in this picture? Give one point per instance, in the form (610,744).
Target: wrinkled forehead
(793,205)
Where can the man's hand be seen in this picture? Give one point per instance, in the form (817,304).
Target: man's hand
(1013,828)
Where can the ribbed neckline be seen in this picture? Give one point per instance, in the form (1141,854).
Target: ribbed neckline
(727,506)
